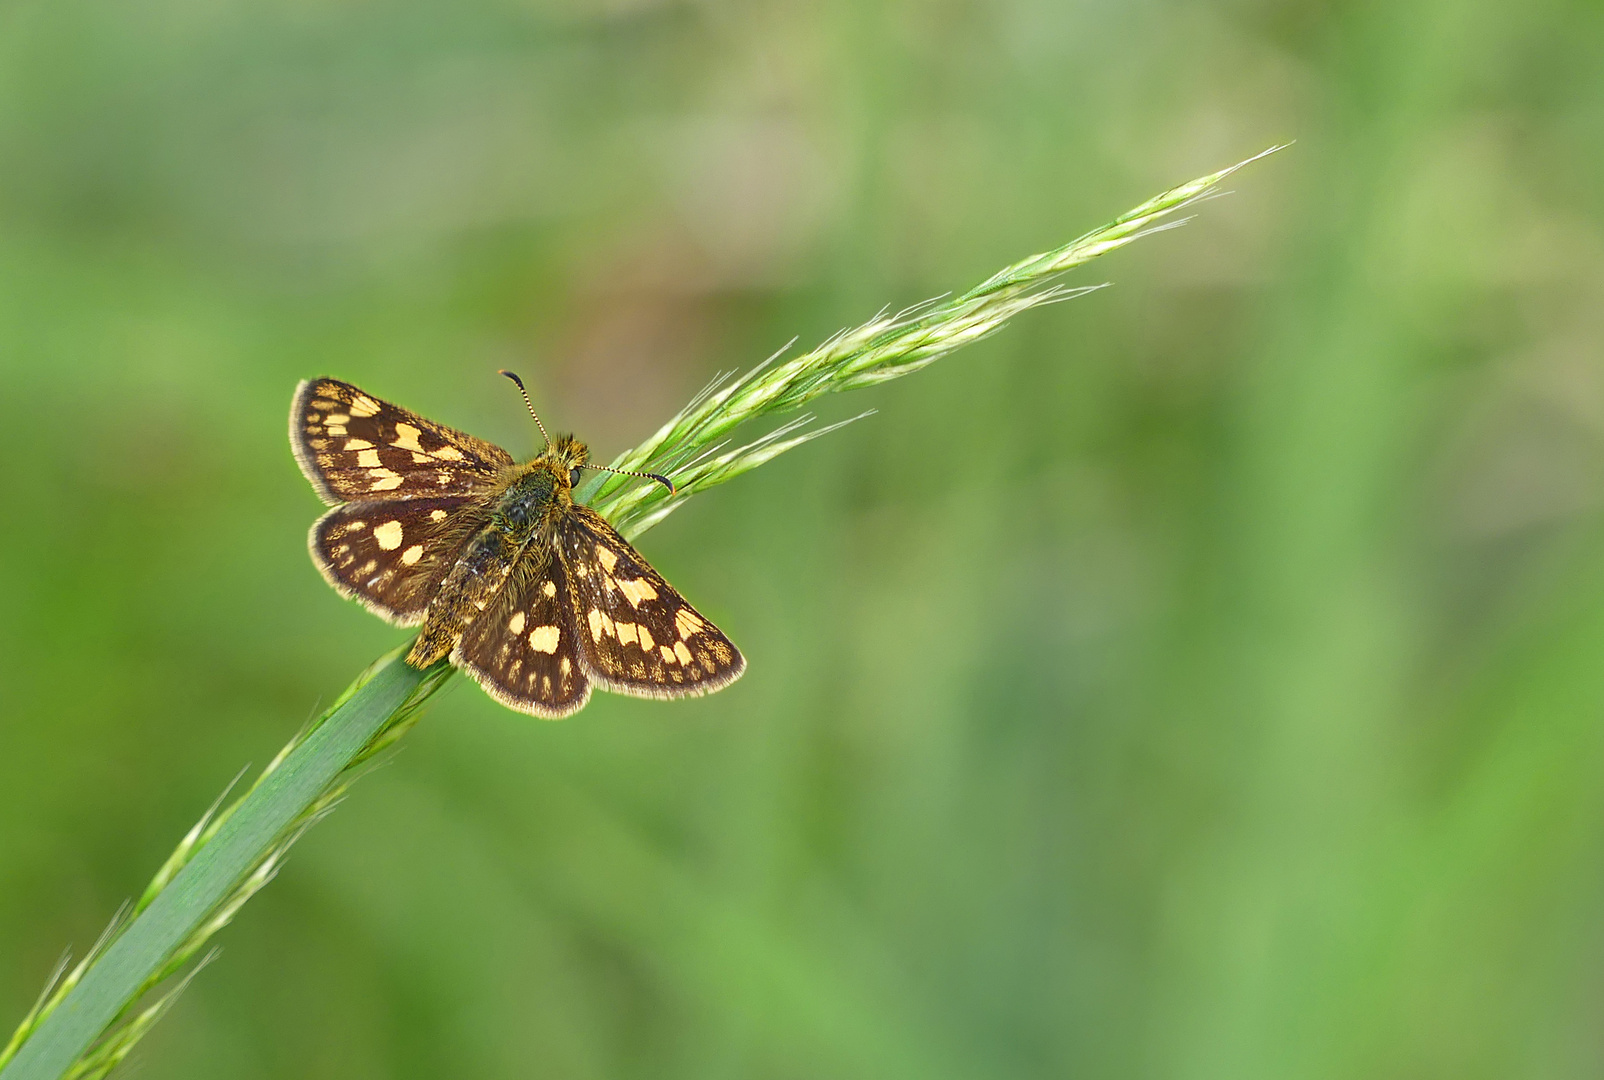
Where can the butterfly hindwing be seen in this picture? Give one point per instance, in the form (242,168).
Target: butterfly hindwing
(523,650)
(391,554)
(637,635)
(352,446)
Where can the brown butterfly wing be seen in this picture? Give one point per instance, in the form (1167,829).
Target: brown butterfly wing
(392,554)
(637,635)
(523,649)
(353,446)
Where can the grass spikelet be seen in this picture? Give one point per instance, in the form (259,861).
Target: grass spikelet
(884,348)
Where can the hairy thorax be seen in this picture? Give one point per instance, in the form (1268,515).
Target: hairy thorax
(532,499)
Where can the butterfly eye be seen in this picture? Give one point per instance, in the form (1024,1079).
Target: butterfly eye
(573,476)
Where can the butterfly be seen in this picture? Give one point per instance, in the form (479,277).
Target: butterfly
(534,595)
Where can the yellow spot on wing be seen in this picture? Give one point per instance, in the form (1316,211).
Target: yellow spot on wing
(626,633)
(437,515)
(516,623)
(412,554)
(606,558)
(682,652)
(384,480)
(668,655)
(637,591)
(388,535)
(364,406)
(599,624)
(406,437)
(544,638)
(549,588)
(686,622)
(367,459)
(449,453)
(646,641)
(358,444)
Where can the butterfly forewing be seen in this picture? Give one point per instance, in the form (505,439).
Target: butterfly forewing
(523,651)
(637,635)
(352,446)
(391,554)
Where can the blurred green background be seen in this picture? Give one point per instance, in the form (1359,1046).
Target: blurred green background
(1201,679)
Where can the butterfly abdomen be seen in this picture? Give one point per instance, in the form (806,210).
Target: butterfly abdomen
(470,587)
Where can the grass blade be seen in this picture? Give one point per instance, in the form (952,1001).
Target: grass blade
(137,956)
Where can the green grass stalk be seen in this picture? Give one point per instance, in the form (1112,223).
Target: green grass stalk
(90,1018)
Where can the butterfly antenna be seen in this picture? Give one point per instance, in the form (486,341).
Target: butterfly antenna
(531,405)
(661,479)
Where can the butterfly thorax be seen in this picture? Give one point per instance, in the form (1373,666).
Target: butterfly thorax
(526,506)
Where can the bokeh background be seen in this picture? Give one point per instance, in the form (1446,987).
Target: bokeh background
(1204,678)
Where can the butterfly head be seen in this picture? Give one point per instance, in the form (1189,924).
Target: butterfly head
(545,482)
(567,456)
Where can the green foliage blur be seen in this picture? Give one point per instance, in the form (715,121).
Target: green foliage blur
(1204,678)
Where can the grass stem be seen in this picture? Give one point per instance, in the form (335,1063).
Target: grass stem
(89,1020)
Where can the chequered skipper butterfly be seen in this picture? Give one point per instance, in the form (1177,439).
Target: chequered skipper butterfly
(534,595)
